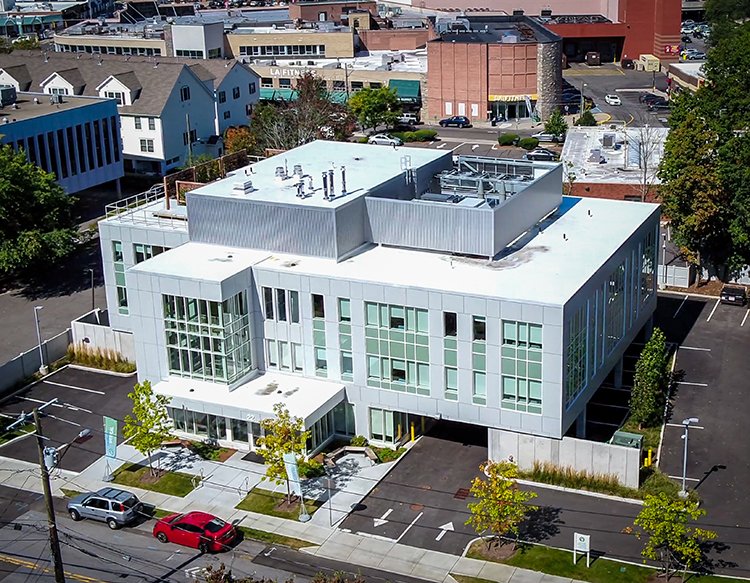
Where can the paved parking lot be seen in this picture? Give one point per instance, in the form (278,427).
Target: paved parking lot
(422,501)
(712,368)
(84,397)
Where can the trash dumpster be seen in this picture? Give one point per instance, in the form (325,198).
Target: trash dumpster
(624,438)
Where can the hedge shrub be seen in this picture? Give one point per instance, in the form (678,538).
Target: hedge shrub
(425,135)
(508,139)
(310,469)
(528,143)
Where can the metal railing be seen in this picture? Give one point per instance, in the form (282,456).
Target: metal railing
(132,209)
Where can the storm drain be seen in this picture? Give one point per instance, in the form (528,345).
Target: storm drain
(461,494)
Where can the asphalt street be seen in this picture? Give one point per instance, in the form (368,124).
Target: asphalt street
(83,398)
(92,553)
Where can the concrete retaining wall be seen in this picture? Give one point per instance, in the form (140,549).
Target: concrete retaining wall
(93,329)
(27,363)
(579,454)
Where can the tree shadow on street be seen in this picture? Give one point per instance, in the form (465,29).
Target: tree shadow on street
(65,278)
(540,524)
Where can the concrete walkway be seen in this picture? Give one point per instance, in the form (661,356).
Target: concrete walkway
(223,485)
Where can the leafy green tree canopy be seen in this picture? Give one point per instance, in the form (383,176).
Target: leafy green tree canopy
(149,426)
(586,119)
(37,224)
(649,392)
(670,540)
(501,505)
(556,124)
(375,107)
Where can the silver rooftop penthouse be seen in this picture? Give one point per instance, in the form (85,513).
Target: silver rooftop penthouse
(327,199)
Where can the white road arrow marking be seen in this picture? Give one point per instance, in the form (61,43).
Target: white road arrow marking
(382,520)
(441,146)
(443,529)
(474,147)
(195,572)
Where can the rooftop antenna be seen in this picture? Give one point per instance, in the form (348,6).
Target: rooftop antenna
(343,180)
(330,185)
(310,187)
(325,185)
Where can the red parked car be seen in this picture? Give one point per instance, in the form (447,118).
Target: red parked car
(197,530)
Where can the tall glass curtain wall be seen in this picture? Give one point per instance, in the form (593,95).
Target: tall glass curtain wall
(597,326)
(208,340)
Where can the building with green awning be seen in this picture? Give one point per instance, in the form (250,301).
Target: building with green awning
(407,90)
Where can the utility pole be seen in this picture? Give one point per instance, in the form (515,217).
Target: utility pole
(54,541)
(93,299)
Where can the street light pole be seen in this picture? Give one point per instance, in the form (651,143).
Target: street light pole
(663,283)
(42,366)
(583,102)
(93,300)
(686,424)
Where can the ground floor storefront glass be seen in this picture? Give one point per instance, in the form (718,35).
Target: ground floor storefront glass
(509,110)
(394,427)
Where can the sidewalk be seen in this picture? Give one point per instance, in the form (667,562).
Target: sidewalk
(224,485)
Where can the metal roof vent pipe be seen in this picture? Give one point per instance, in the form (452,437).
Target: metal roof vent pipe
(310,187)
(330,183)
(343,180)
(480,190)
(300,189)
(297,170)
(325,185)
(280,174)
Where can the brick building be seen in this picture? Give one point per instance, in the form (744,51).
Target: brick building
(485,66)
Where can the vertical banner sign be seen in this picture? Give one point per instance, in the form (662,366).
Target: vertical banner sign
(290,463)
(110,437)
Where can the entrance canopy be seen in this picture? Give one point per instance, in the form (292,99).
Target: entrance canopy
(306,398)
(406,89)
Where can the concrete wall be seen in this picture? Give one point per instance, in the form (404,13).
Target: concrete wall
(27,363)
(93,330)
(581,455)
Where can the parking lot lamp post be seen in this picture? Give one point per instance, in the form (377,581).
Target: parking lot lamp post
(93,300)
(686,424)
(42,366)
(583,102)
(663,282)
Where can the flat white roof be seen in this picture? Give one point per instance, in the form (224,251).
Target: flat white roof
(580,157)
(303,396)
(693,68)
(201,262)
(548,268)
(367,166)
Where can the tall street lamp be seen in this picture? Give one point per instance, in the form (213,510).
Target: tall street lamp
(663,283)
(583,86)
(686,424)
(42,366)
(93,300)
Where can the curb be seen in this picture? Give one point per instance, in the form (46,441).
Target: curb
(685,293)
(582,492)
(99,370)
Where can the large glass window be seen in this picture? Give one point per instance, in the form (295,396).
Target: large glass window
(396,346)
(575,377)
(208,340)
(450,324)
(521,367)
(451,384)
(118,262)
(345,339)
(283,355)
(615,316)
(143,252)
(318,305)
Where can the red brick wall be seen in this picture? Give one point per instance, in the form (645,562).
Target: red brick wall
(469,72)
(612,191)
(394,40)
(310,11)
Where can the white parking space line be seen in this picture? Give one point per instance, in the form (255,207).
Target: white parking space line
(688,479)
(413,522)
(457,147)
(682,303)
(65,420)
(692,384)
(75,388)
(682,426)
(745,318)
(40,402)
(695,348)
(716,305)
(74,408)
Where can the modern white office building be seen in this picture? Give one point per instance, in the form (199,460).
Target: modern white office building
(373,289)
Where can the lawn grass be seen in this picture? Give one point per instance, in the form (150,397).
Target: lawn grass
(266,502)
(68,493)
(6,436)
(651,435)
(560,563)
(386,454)
(172,483)
(276,539)
(468,579)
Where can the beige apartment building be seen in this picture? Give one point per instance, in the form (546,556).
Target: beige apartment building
(291,43)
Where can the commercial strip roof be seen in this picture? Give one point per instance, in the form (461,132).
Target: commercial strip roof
(601,154)
(493,29)
(25,107)
(304,397)
(412,61)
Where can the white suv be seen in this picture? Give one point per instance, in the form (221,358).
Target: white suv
(613,99)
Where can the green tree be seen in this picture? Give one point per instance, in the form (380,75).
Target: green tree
(569,174)
(669,538)
(651,382)
(37,223)
(375,107)
(586,119)
(311,115)
(501,505)
(556,124)
(283,434)
(149,426)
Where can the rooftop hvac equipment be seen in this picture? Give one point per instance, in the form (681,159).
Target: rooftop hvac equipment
(7,95)
(243,187)
(297,170)
(280,174)
(509,38)
(608,141)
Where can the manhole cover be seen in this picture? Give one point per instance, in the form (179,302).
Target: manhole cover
(461,494)
(416,507)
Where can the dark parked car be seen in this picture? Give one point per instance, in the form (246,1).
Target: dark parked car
(686,39)
(460,121)
(111,505)
(197,530)
(648,97)
(659,106)
(733,294)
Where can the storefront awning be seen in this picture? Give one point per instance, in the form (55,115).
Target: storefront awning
(406,89)
(271,94)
